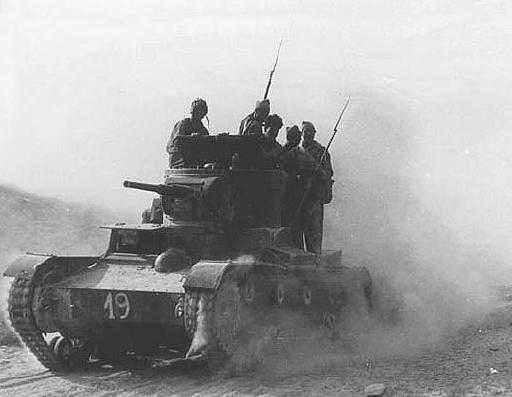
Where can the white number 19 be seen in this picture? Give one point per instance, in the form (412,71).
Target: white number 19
(122,303)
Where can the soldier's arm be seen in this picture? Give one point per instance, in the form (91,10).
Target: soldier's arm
(180,128)
(174,133)
(252,127)
(327,166)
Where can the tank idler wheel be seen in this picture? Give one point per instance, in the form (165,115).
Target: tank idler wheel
(70,355)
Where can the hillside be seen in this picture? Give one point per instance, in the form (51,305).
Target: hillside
(46,225)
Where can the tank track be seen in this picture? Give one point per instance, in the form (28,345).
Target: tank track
(207,331)
(236,336)
(22,319)
(191,307)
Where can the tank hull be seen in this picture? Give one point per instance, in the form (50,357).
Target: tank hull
(118,304)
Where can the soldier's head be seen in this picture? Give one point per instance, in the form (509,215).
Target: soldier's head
(308,131)
(262,109)
(293,135)
(198,109)
(273,124)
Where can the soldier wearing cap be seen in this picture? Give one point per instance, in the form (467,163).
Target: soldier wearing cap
(253,123)
(188,126)
(319,191)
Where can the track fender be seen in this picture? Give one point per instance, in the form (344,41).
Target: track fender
(29,264)
(207,274)
(26,264)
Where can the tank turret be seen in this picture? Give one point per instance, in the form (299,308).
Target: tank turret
(228,184)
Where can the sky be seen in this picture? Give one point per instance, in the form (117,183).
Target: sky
(91,89)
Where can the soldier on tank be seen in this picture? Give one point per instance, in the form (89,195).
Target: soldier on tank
(188,126)
(271,148)
(253,123)
(299,167)
(318,192)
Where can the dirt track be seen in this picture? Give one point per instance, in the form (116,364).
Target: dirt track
(475,362)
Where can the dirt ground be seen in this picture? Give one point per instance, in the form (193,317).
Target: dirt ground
(475,361)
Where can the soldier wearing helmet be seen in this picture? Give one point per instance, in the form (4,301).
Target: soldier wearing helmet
(188,126)
(319,191)
(253,123)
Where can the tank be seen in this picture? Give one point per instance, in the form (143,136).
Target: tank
(209,269)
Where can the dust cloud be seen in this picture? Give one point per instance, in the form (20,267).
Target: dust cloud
(402,208)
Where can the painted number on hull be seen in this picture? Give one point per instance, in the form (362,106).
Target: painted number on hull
(121,302)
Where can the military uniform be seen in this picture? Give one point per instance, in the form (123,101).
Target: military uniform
(271,151)
(299,167)
(253,123)
(312,211)
(250,125)
(187,126)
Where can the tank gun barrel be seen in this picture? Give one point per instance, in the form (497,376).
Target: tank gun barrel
(174,190)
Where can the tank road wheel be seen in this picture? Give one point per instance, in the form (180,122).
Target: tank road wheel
(307,295)
(281,295)
(256,292)
(248,289)
(70,353)
(337,299)
(330,325)
(329,320)
(54,341)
